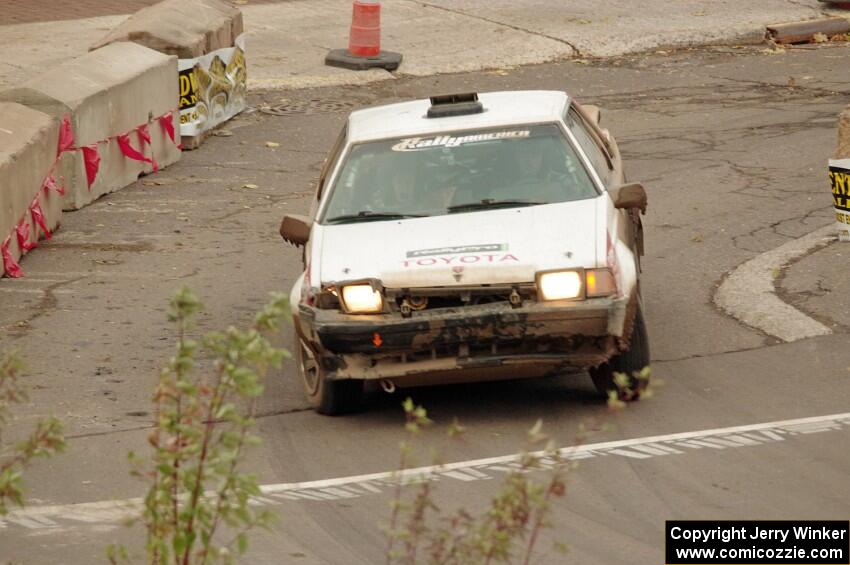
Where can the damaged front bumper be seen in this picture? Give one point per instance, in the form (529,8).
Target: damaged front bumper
(481,342)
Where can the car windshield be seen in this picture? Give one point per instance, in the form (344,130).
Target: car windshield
(457,172)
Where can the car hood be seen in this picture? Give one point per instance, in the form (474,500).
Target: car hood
(485,247)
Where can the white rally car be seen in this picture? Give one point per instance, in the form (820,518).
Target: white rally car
(468,238)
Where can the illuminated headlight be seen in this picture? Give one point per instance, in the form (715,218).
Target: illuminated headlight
(361,299)
(560,285)
(578,284)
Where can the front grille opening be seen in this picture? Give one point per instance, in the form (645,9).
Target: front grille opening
(410,301)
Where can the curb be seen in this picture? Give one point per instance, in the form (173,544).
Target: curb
(805,31)
(748,293)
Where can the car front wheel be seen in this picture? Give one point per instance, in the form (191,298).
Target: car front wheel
(630,363)
(330,397)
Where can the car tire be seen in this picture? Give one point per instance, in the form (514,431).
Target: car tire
(329,397)
(628,362)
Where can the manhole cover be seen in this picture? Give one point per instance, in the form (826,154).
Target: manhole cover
(315,106)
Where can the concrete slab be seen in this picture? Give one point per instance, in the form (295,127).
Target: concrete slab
(28,142)
(615,28)
(186,28)
(108,92)
(30,48)
(288,41)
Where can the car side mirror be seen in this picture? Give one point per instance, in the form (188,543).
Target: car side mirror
(295,229)
(631,195)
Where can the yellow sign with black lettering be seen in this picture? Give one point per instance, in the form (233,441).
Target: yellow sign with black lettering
(213,88)
(188,88)
(839,179)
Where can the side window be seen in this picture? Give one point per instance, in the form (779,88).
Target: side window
(333,156)
(597,155)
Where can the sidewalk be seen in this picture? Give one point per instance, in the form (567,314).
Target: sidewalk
(28,11)
(288,39)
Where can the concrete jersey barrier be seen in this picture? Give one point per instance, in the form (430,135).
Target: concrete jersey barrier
(185,28)
(211,91)
(119,90)
(28,150)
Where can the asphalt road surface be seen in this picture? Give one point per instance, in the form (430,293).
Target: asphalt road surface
(732,147)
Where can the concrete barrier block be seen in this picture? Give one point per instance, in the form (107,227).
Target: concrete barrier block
(28,143)
(186,28)
(108,92)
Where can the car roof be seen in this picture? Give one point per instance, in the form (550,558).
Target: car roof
(500,109)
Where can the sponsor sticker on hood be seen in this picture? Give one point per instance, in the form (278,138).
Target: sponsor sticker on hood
(482,253)
(483,248)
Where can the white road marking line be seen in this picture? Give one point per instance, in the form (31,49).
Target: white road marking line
(111,512)
(698,444)
(35,290)
(632,454)
(748,293)
(469,475)
(340,492)
(655,449)
(743,440)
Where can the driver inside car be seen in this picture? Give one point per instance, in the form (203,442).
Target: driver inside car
(407,190)
(536,174)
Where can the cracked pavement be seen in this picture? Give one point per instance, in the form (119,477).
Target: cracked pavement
(731,144)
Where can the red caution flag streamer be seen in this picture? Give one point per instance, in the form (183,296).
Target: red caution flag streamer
(91,160)
(131,152)
(145,137)
(23,232)
(9,264)
(166,122)
(38,217)
(50,184)
(66,137)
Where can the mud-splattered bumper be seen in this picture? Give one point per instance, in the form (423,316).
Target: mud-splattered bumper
(540,336)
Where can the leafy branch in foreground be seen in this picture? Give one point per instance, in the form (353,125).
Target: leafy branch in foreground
(509,529)
(197,493)
(46,440)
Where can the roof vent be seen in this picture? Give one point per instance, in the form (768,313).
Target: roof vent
(454,105)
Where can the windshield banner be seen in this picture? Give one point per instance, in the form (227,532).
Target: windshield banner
(839,176)
(419,143)
(212,88)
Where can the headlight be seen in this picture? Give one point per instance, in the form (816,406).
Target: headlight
(560,285)
(361,299)
(578,284)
